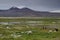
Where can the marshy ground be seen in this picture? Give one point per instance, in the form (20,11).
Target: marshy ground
(29,29)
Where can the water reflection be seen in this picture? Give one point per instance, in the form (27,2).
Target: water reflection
(9,23)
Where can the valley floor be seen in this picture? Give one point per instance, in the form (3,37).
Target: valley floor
(30,29)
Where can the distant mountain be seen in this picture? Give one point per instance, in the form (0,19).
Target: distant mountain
(26,12)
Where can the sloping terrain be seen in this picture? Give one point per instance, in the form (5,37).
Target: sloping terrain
(26,12)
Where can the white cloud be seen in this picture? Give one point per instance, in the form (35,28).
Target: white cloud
(55,11)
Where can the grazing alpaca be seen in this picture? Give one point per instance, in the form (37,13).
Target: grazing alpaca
(56,29)
(49,31)
(44,27)
(29,32)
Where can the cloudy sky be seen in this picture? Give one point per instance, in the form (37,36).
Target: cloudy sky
(40,5)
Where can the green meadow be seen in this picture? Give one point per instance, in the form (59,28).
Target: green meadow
(29,28)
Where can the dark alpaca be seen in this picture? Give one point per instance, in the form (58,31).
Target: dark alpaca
(56,29)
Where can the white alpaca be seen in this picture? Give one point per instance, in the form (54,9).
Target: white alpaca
(15,36)
(49,31)
(54,31)
(22,32)
(8,27)
(29,32)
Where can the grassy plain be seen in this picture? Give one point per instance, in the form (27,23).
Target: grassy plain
(29,24)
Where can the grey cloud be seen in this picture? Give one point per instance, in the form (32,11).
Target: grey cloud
(33,4)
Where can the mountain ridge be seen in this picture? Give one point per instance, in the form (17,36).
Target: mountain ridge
(26,12)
